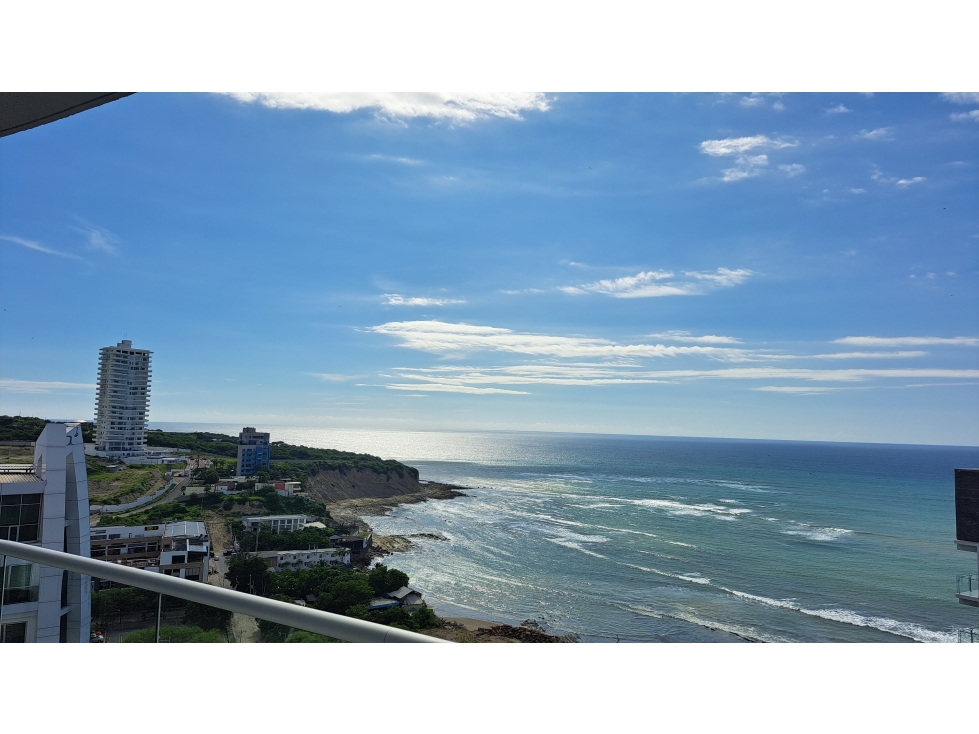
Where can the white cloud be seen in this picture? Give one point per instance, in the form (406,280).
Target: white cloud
(37,247)
(657,283)
(454,107)
(747,166)
(738,174)
(797,389)
(395,159)
(838,110)
(33,387)
(857,191)
(686,336)
(332,377)
(966,116)
(736,146)
(961,97)
(98,238)
(881,178)
(881,133)
(393,299)
(597,375)
(908,341)
(722,277)
(755,100)
(792,169)
(439,337)
(778,106)
(453,387)
(868,355)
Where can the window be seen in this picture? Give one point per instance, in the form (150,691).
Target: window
(64,589)
(20,516)
(63,629)
(17,587)
(14,632)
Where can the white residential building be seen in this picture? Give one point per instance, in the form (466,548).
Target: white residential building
(46,504)
(122,401)
(298,559)
(276,523)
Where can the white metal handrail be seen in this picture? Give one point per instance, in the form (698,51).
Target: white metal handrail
(291,615)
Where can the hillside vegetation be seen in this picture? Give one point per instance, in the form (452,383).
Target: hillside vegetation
(301,458)
(28,428)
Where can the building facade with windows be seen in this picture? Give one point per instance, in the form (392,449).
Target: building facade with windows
(179,549)
(276,523)
(122,401)
(254,452)
(46,504)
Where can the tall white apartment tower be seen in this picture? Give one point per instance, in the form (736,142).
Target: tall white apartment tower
(122,402)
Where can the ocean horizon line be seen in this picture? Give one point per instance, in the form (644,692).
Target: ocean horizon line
(504,431)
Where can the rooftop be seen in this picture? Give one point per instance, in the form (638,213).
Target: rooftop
(186,528)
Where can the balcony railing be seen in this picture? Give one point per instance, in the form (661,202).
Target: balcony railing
(289,615)
(968,589)
(970,635)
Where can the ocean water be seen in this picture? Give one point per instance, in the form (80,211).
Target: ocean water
(645,539)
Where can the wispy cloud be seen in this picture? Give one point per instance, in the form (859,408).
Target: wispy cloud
(658,283)
(34,387)
(961,97)
(37,247)
(908,341)
(393,299)
(746,166)
(686,336)
(966,116)
(99,238)
(903,182)
(332,376)
(798,389)
(395,159)
(838,110)
(869,355)
(597,375)
(792,169)
(881,133)
(439,337)
(857,191)
(737,146)
(454,107)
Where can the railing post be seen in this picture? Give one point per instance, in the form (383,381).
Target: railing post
(3,586)
(159,611)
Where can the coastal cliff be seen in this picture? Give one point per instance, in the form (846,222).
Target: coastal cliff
(335,485)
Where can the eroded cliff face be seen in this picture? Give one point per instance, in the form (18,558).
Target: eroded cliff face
(335,486)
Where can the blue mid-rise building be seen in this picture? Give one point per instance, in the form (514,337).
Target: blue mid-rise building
(254,452)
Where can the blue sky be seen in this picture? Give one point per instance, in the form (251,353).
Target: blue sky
(797,266)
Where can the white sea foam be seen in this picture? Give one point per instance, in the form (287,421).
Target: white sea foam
(574,546)
(702,510)
(846,616)
(677,542)
(812,532)
(692,577)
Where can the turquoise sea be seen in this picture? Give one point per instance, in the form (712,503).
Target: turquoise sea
(646,539)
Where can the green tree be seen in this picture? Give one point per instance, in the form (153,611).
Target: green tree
(175,634)
(345,594)
(383,579)
(206,617)
(248,574)
(272,631)
(302,636)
